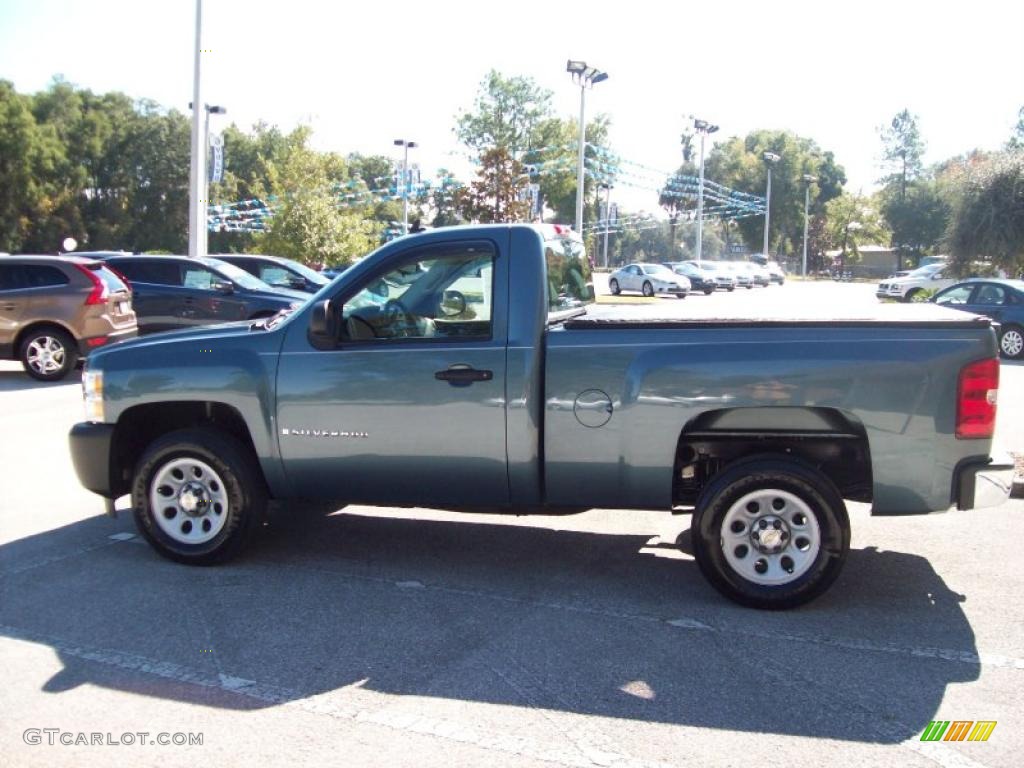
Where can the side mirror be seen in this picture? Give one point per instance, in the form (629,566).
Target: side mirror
(453,303)
(223,286)
(323,325)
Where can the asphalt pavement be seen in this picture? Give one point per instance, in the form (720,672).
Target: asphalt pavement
(370,636)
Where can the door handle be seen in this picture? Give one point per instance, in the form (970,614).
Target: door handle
(463,375)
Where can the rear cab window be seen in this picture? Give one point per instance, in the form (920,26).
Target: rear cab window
(570,282)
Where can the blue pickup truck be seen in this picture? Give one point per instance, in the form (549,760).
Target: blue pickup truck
(469,368)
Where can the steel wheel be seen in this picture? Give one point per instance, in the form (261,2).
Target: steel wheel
(770,537)
(189,500)
(648,289)
(1011,342)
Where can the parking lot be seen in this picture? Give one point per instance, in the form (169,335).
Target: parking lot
(381,636)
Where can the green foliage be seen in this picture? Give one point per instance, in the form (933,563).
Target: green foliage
(917,216)
(987,222)
(902,149)
(309,225)
(1017,137)
(494,196)
(506,114)
(739,163)
(852,221)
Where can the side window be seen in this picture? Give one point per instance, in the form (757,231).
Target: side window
(274,275)
(43,276)
(12,277)
(959,295)
(992,295)
(444,292)
(193,276)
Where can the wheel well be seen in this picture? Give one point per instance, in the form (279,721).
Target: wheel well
(830,440)
(142,424)
(37,326)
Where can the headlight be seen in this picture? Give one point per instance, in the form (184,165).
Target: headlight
(92,391)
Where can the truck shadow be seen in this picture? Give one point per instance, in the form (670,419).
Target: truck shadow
(618,626)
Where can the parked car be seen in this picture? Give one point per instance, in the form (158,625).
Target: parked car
(744,277)
(178,292)
(918,285)
(775,272)
(760,274)
(476,386)
(701,280)
(277,272)
(724,279)
(1000,300)
(55,309)
(648,279)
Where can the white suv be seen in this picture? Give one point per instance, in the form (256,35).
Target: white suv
(916,286)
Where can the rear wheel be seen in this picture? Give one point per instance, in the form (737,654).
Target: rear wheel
(731,288)
(198,496)
(48,354)
(613,286)
(708,291)
(1011,342)
(770,532)
(648,289)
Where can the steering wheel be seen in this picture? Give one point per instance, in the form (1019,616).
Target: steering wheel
(398,318)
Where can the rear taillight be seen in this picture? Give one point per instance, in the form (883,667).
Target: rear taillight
(976,399)
(99,341)
(98,294)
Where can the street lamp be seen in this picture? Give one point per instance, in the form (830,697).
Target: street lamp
(770,158)
(607,218)
(808,180)
(704,128)
(586,77)
(405,181)
(197,208)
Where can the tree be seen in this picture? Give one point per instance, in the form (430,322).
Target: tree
(308,223)
(506,114)
(902,150)
(917,216)
(494,196)
(1017,137)
(987,220)
(738,163)
(851,221)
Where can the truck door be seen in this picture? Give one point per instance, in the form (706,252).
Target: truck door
(405,404)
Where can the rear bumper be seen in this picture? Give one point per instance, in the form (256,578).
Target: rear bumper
(84,347)
(984,484)
(90,453)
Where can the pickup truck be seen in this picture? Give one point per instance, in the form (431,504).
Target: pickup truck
(469,368)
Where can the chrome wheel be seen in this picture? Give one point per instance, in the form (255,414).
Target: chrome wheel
(1012,342)
(188,501)
(648,290)
(46,355)
(770,537)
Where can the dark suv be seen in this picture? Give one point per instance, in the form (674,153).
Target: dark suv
(54,309)
(700,280)
(178,292)
(277,272)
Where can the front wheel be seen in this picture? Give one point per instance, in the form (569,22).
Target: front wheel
(648,289)
(613,286)
(916,296)
(730,289)
(770,532)
(198,496)
(708,291)
(1011,342)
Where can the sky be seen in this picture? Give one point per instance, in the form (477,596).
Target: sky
(363,73)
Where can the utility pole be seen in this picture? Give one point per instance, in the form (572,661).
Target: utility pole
(197,170)
(607,219)
(704,128)
(808,180)
(405,182)
(585,76)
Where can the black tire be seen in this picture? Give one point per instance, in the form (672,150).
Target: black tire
(910,298)
(243,487)
(1011,342)
(731,289)
(750,287)
(60,348)
(708,291)
(768,473)
(648,289)
(680,295)
(613,286)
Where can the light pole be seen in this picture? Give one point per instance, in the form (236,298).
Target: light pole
(607,218)
(770,158)
(704,128)
(405,181)
(197,169)
(585,76)
(808,180)
(204,232)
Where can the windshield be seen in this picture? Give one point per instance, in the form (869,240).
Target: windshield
(926,271)
(240,276)
(310,274)
(658,271)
